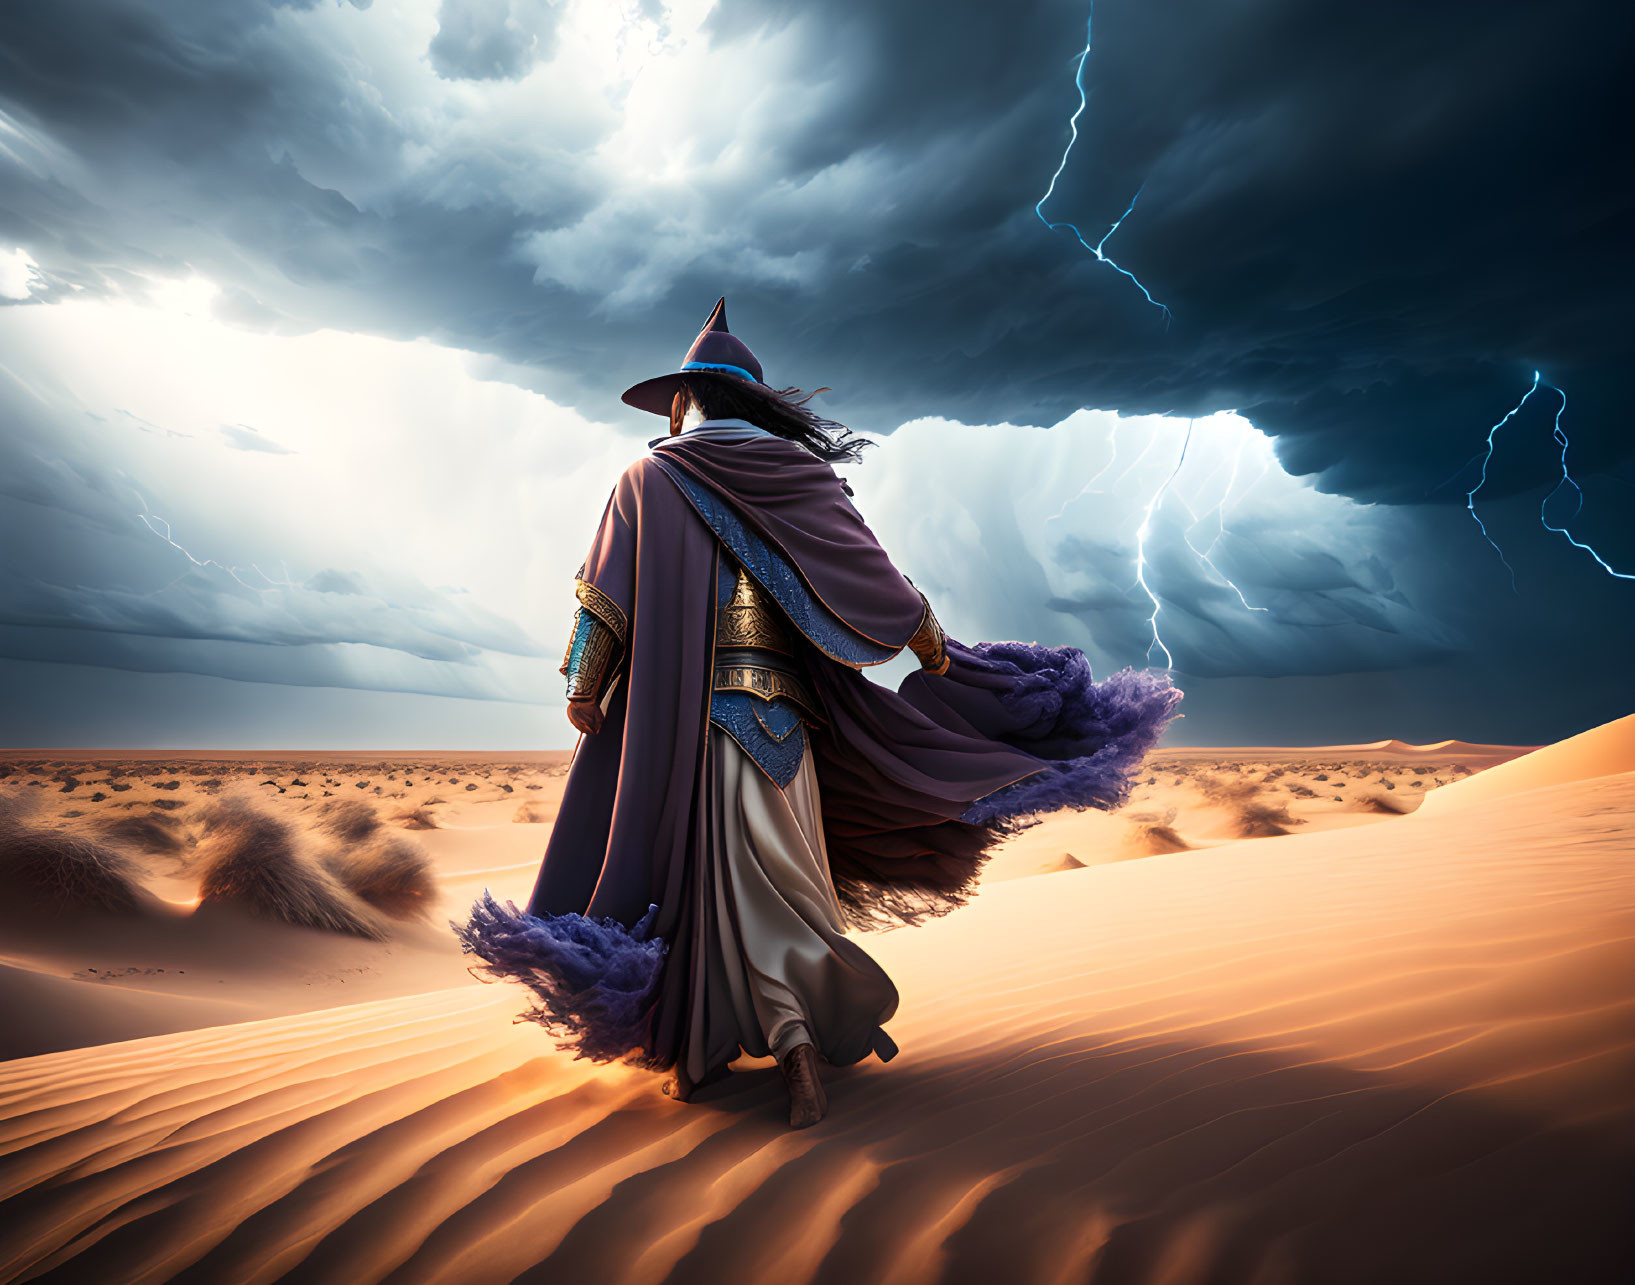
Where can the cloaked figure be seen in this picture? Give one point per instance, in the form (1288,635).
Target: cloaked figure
(742,792)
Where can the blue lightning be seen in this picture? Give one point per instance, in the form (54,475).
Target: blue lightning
(1073,124)
(1567,480)
(1203,557)
(1141,534)
(1470,495)
(149,519)
(1112,458)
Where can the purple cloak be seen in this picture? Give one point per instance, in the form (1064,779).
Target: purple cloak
(915,785)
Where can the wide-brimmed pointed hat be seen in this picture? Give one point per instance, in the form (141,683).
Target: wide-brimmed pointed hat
(715,351)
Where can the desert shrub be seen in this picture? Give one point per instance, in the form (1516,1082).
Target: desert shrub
(420,818)
(1380,803)
(1255,816)
(60,871)
(392,874)
(1154,833)
(253,860)
(349,820)
(1156,838)
(154,832)
(15,808)
(1220,788)
(531,812)
(1258,820)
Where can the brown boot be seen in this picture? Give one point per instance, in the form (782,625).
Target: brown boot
(807,1103)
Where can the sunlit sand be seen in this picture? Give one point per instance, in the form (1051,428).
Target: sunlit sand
(1360,1013)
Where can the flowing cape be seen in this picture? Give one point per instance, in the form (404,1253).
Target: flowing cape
(916,785)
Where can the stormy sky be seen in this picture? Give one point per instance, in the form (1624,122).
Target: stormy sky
(315,317)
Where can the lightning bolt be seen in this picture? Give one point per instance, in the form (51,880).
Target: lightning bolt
(1203,554)
(1567,480)
(1219,511)
(1470,495)
(1141,534)
(1098,249)
(150,520)
(1112,458)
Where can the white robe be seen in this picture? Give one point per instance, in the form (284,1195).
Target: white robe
(771,964)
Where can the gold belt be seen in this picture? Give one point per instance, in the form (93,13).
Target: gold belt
(761,675)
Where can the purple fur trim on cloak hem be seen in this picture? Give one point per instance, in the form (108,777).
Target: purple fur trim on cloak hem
(1044,701)
(595,981)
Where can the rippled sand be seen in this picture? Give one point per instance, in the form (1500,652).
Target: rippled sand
(1394,1050)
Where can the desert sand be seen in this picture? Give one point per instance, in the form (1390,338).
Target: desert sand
(1274,1021)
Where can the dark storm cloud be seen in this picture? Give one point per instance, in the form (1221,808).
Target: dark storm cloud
(1372,222)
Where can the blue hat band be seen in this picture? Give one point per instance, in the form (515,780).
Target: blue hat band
(721,366)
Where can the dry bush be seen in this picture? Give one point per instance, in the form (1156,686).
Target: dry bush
(392,874)
(1255,816)
(420,818)
(532,812)
(1226,789)
(253,861)
(58,871)
(1380,803)
(349,820)
(1156,838)
(155,833)
(1258,820)
(1154,833)
(16,808)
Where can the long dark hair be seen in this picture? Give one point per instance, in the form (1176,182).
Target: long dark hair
(781,411)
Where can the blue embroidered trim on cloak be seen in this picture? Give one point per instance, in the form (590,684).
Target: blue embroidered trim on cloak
(770,732)
(826,631)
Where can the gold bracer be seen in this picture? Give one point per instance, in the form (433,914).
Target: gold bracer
(751,619)
(588,664)
(929,643)
(602,607)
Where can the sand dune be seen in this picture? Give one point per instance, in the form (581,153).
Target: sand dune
(74,978)
(1401,1051)
(1602,751)
(1469,752)
(482,822)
